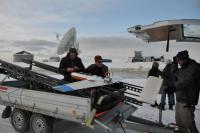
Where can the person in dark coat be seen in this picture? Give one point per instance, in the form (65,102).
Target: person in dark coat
(98,69)
(187,90)
(71,63)
(155,72)
(169,79)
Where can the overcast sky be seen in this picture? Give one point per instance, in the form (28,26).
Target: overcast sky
(101,24)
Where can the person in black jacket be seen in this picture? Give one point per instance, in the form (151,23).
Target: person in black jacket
(98,69)
(187,92)
(169,79)
(155,72)
(71,63)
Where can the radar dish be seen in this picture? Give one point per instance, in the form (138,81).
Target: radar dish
(68,41)
(76,46)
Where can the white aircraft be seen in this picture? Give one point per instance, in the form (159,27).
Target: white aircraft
(183,30)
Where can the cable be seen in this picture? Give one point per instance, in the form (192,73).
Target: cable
(122,127)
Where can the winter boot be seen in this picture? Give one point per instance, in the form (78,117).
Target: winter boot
(154,105)
(170,107)
(162,107)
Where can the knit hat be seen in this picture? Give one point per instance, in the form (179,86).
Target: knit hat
(98,58)
(73,50)
(182,55)
(155,64)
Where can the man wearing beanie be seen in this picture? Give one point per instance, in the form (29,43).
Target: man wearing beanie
(71,63)
(187,92)
(98,69)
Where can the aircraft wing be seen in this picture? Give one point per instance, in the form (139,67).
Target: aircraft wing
(80,85)
(84,81)
(186,30)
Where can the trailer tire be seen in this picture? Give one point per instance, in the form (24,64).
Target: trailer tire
(41,124)
(20,120)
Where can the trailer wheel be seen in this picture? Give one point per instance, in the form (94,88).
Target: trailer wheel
(20,120)
(41,124)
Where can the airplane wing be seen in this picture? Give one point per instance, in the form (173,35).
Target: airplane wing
(80,85)
(186,30)
(85,81)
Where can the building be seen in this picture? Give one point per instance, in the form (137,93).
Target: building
(54,59)
(45,60)
(17,57)
(107,60)
(138,57)
(149,58)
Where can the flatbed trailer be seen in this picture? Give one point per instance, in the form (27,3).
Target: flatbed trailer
(33,103)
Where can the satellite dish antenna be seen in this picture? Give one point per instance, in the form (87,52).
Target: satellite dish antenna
(76,46)
(68,41)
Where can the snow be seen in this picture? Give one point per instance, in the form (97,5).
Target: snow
(142,66)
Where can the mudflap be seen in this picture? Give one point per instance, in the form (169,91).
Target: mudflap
(113,118)
(7,112)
